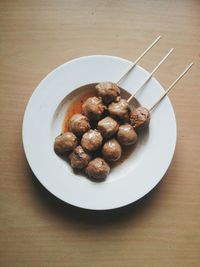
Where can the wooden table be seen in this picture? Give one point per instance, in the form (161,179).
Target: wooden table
(38,230)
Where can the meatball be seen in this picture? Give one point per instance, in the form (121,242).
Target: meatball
(120,110)
(126,135)
(108,91)
(140,118)
(93,108)
(79,124)
(92,140)
(107,127)
(79,159)
(111,150)
(65,142)
(98,169)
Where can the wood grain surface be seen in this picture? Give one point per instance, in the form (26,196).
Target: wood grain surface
(36,229)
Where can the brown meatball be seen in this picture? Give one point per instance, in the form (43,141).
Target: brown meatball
(111,150)
(65,142)
(120,110)
(98,169)
(126,135)
(79,159)
(140,118)
(92,140)
(107,127)
(93,108)
(79,124)
(108,91)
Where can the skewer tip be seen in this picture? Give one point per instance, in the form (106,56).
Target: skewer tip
(172,85)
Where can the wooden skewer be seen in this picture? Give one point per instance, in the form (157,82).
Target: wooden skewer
(139,58)
(170,87)
(150,75)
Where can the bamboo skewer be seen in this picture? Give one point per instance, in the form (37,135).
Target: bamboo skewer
(151,74)
(170,87)
(139,58)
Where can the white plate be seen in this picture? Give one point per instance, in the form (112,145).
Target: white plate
(128,181)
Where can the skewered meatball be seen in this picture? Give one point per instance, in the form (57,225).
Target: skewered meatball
(92,140)
(65,142)
(93,108)
(107,127)
(126,135)
(79,159)
(120,110)
(140,118)
(108,91)
(98,169)
(79,124)
(111,150)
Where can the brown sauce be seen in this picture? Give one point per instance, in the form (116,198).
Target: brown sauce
(126,152)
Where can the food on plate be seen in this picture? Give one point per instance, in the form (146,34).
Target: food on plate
(119,110)
(65,142)
(97,169)
(79,159)
(140,118)
(100,134)
(107,127)
(108,91)
(91,140)
(93,108)
(126,135)
(79,124)
(111,150)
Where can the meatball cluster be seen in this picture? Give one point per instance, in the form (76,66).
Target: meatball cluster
(91,149)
